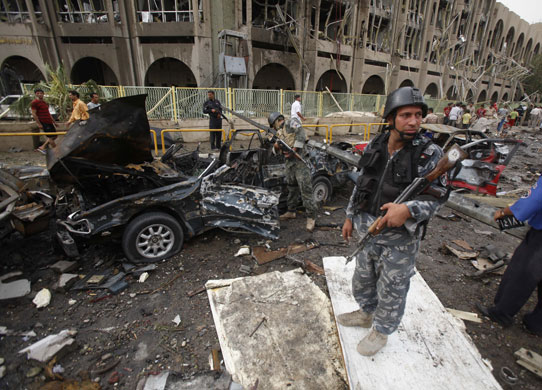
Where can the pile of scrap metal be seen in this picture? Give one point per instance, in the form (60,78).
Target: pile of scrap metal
(25,200)
(488,157)
(110,185)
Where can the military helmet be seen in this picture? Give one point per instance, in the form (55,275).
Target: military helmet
(273,117)
(402,97)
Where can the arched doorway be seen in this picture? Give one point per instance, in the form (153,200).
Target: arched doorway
(470,96)
(91,68)
(167,72)
(527,53)
(333,80)
(497,32)
(482,97)
(432,91)
(452,93)
(494,97)
(536,49)
(374,85)
(505,97)
(510,39)
(16,70)
(406,83)
(273,76)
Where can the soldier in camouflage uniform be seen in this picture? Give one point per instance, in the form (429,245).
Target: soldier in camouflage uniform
(298,175)
(384,267)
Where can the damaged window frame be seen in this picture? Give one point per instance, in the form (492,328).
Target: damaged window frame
(169,11)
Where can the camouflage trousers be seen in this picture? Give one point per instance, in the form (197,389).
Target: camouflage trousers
(298,180)
(381,282)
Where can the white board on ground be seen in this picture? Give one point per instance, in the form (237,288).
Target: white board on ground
(295,347)
(430,350)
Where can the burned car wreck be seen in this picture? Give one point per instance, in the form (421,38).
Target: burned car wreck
(258,165)
(488,157)
(110,185)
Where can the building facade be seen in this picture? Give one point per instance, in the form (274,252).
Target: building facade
(455,49)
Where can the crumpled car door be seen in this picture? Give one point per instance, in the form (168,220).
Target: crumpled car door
(239,206)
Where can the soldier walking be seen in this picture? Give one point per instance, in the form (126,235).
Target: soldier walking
(298,175)
(384,267)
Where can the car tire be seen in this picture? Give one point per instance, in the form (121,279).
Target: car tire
(152,237)
(321,190)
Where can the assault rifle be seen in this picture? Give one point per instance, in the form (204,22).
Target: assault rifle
(267,129)
(454,155)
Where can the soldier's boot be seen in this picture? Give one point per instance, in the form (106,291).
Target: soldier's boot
(372,343)
(310,224)
(287,215)
(356,318)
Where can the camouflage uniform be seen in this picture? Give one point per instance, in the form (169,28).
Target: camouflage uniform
(298,175)
(384,267)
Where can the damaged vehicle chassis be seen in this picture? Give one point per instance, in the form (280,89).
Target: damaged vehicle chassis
(117,189)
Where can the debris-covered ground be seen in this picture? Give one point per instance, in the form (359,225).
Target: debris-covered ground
(164,322)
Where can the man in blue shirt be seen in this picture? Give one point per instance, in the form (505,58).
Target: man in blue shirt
(524,273)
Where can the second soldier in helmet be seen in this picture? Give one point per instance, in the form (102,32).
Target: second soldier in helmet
(298,175)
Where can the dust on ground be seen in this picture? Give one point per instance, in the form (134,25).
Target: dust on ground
(136,326)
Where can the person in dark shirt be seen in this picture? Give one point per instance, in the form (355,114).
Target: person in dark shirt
(43,118)
(524,273)
(213,107)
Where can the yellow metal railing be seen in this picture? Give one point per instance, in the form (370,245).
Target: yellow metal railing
(31,134)
(369,129)
(64,132)
(330,138)
(317,126)
(187,131)
(155,142)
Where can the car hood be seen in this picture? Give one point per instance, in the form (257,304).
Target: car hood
(117,133)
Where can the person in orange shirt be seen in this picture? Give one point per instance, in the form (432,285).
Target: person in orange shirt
(80,109)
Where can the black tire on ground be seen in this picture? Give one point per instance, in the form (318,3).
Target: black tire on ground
(322,189)
(151,237)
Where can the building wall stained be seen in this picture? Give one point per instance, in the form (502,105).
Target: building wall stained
(448,48)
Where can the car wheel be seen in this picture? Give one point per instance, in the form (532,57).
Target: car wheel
(151,237)
(321,190)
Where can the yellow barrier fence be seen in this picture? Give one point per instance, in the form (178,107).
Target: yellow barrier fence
(155,142)
(317,126)
(187,131)
(64,132)
(31,134)
(330,139)
(369,129)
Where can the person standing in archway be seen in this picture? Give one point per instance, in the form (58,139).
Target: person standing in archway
(213,108)
(43,118)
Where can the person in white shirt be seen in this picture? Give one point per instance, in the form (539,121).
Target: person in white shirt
(534,117)
(94,101)
(296,109)
(454,114)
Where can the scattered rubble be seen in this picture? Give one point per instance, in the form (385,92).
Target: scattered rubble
(16,289)
(264,256)
(42,298)
(50,346)
(530,360)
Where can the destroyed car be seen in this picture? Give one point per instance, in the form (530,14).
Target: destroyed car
(259,165)
(488,157)
(110,185)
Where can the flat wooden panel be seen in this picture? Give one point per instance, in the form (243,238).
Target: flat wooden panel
(295,347)
(430,350)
